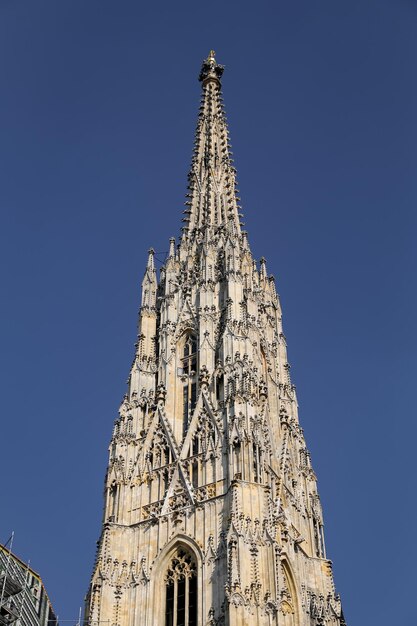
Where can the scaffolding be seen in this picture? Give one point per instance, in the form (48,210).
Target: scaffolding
(23,599)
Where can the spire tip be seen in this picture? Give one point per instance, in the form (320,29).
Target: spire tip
(211,70)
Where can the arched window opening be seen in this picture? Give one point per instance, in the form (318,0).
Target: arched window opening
(181,590)
(189,377)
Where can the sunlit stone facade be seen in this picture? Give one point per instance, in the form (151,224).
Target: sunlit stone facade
(212,515)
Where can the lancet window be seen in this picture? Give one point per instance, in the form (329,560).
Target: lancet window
(189,376)
(181,590)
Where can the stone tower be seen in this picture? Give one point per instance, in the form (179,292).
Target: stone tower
(212,515)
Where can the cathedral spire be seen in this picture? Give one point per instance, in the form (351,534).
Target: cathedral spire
(212,198)
(212,515)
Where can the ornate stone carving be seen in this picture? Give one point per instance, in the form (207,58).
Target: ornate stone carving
(209,475)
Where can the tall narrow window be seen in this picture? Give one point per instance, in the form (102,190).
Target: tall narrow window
(256,464)
(238,456)
(193,396)
(186,405)
(219,387)
(194,472)
(169,612)
(189,373)
(181,590)
(192,602)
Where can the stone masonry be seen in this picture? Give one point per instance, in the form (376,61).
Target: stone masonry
(212,515)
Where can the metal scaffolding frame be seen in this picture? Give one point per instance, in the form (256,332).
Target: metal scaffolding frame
(17,593)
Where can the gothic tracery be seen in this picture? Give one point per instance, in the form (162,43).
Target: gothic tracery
(207,447)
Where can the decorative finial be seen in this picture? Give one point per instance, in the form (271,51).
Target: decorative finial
(171,253)
(150,265)
(211,70)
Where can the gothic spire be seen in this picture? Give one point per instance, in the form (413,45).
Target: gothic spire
(212,198)
(212,514)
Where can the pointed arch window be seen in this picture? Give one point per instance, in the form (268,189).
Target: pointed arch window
(189,376)
(181,590)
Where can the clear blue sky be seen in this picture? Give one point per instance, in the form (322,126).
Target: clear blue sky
(97,112)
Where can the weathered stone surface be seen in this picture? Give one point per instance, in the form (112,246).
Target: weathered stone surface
(209,473)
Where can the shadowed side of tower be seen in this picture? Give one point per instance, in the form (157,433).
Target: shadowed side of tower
(211,515)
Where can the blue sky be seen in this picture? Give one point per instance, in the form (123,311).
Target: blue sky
(97,113)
